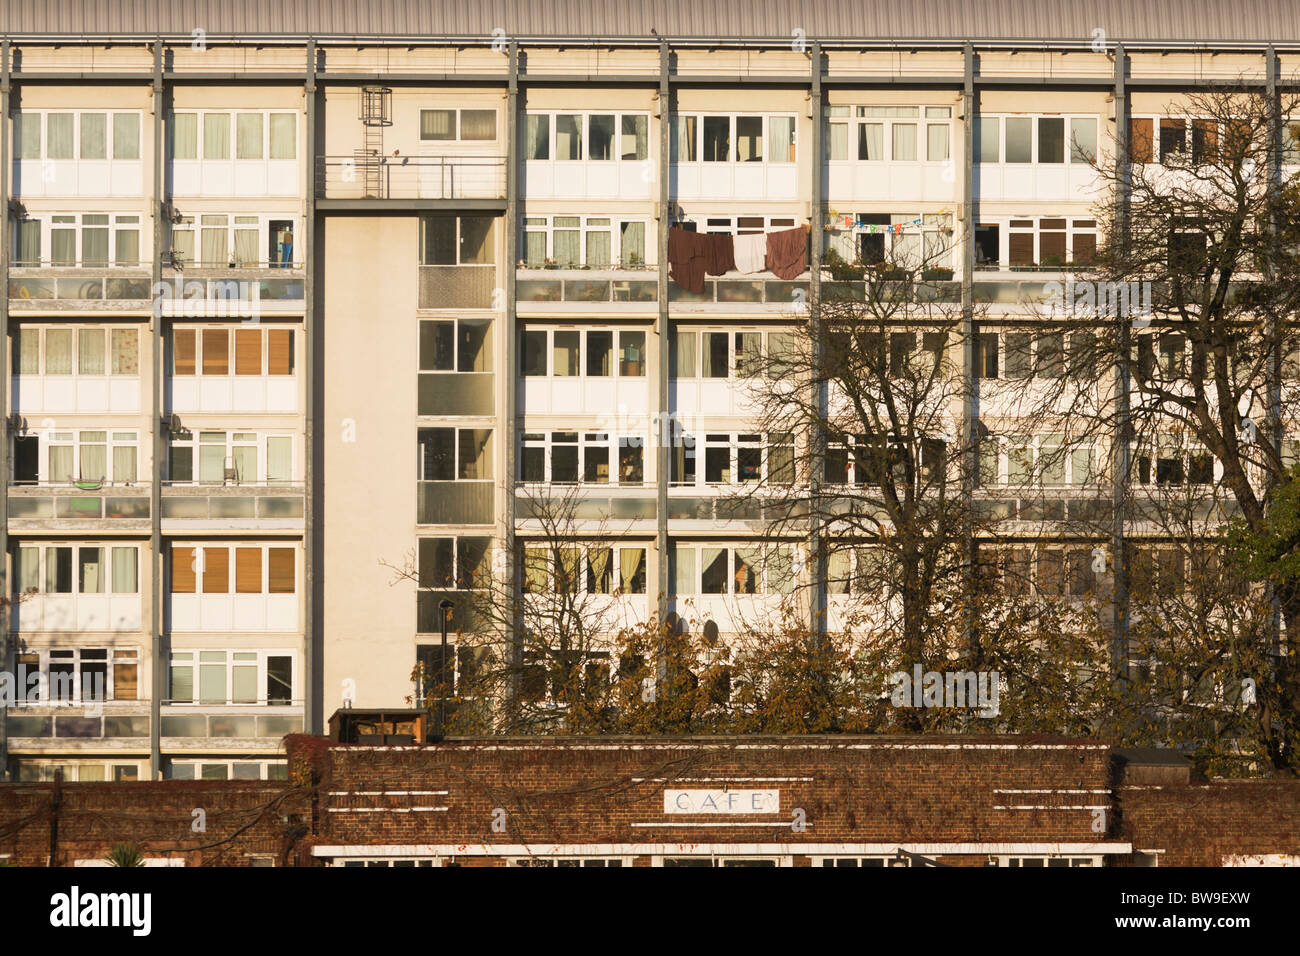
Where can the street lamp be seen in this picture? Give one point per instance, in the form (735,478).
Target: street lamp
(445,606)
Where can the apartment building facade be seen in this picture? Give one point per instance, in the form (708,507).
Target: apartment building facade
(302,327)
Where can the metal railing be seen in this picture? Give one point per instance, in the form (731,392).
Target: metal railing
(410,177)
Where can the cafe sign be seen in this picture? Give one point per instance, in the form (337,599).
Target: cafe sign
(722,801)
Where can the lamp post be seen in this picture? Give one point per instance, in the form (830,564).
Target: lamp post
(445,606)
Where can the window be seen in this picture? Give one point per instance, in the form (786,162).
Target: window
(595,241)
(259,135)
(594,137)
(1040,460)
(456,345)
(207,351)
(80,674)
(449,125)
(734,138)
(231,677)
(457,240)
(590,457)
(695,353)
(49,569)
(85,136)
(76,351)
(227,239)
(251,569)
(586,569)
(107,457)
(210,457)
(92,240)
(1046,140)
(564,354)
(455,454)
(734,458)
(740,569)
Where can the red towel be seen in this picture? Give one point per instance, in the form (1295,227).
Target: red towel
(787,252)
(686,259)
(719,254)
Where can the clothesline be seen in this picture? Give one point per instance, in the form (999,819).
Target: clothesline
(849,221)
(692,255)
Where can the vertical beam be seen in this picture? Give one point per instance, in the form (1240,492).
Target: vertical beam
(816,218)
(509,414)
(1274,333)
(664,433)
(311,691)
(157,663)
(1120,456)
(5,436)
(970,383)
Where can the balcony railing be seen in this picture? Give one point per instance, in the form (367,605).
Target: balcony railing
(79,502)
(411,177)
(235,502)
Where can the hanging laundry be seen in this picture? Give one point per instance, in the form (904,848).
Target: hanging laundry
(751,253)
(787,252)
(686,259)
(719,255)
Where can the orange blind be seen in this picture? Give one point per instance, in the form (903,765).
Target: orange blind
(124,681)
(280,565)
(183,352)
(248,351)
(248,570)
(1139,140)
(216,352)
(280,351)
(216,570)
(182,570)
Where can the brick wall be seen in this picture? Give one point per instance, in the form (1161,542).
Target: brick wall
(1200,824)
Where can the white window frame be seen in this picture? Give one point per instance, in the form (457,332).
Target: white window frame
(106,546)
(1067,160)
(50,221)
(766,563)
(193,657)
(260,441)
(732,142)
(110,146)
(616,152)
(76,439)
(587,224)
(125,656)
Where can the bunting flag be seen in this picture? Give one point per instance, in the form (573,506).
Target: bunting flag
(896,228)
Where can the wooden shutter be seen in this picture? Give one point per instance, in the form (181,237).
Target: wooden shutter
(1085,246)
(280,351)
(216,352)
(1140,136)
(216,570)
(248,351)
(1020,245)
(248,570)
(125,680)
(281,568)
(182,570)
(183,352)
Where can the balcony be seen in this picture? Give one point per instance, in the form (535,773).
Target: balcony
(47,287)
(466,182)
(547,291)
(455,502)
(233,507)
(221,290)
(83,506)
(124,725)
(249,727)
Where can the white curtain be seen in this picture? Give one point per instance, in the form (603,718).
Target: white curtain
(59,135)
(216,135)
(216,250)
(185,136)
(126,136)
(28,133)
(248,136)
(632,243)
(90,352)
(246,246)
(685,365)
(904,142)
(126,247)
(29,242)
(538,136)
(279,459)
(567,246)
(123,463)
(94,136)
(91,570)
(60,463)
(284,136)
(28,347)
(58,351)
(871,141)
(94,456)
(125,571)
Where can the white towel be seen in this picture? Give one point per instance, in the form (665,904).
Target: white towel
(751,253)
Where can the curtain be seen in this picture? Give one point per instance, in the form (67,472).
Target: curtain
(216,135)
(781,133)
(126,247)
(58,352)
(600,561)
(126,136)
(60,463)
(284,136)
(182,680)
(246,246)
(126,352)
(598,248)
(631,244)
(28,570)
(123,463)
(212,461)
(125,571)
(279,459)
(94,136)
(437,124)
(29,242)
(215,239)
(478,124)
(838,146)
(246,462)
(212,677)
(28,347)
(94,240)
(90,352)
(94,456)
(183,244)
(63,247)
(534,249)
(185,136)
(59,135)
(904,142)
(538,136)
(686,142)
(568,136)
(936,146)
(248,135)
(686,362)
(568,250)
(631,562)
(684,572)
(28,132)
(871,141)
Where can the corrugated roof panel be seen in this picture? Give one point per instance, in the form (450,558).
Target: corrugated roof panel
(1150,20)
